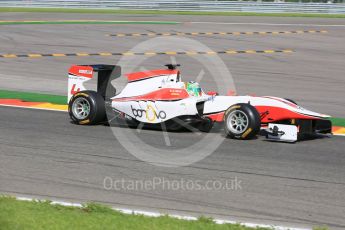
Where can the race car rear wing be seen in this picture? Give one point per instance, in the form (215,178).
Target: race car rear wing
(79,74)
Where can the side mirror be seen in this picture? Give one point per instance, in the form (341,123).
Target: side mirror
(212,93)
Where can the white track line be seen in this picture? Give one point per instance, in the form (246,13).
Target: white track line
(156,214)
(266,24)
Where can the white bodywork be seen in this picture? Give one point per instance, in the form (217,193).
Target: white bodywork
(155,111)
(76,79)
(221,103)
(286,133)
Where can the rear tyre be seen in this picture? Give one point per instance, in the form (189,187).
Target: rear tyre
(242,121)
(87,108)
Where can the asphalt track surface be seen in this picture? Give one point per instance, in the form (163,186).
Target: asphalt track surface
(43,155)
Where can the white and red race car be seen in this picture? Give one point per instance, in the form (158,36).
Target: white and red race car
(159,97)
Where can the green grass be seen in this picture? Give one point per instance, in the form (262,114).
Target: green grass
(338,121)
(320,228)
(85,22)
(25,215)
(112,11)
(33,97)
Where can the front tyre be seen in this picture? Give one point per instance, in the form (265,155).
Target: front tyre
(242,121)
(87,108)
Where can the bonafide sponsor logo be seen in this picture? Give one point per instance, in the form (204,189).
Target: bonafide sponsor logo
(150,113)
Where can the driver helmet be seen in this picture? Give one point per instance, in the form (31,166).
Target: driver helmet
(193,88)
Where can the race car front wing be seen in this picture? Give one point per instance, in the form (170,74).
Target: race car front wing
(302,129)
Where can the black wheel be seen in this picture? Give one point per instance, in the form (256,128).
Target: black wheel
(242,121)
(87,108)
(290,100)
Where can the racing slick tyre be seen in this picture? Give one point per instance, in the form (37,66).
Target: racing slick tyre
(242,121)
(87,108)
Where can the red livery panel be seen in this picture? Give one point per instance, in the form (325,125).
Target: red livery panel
(149,74)
(82,71)
(271,113)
